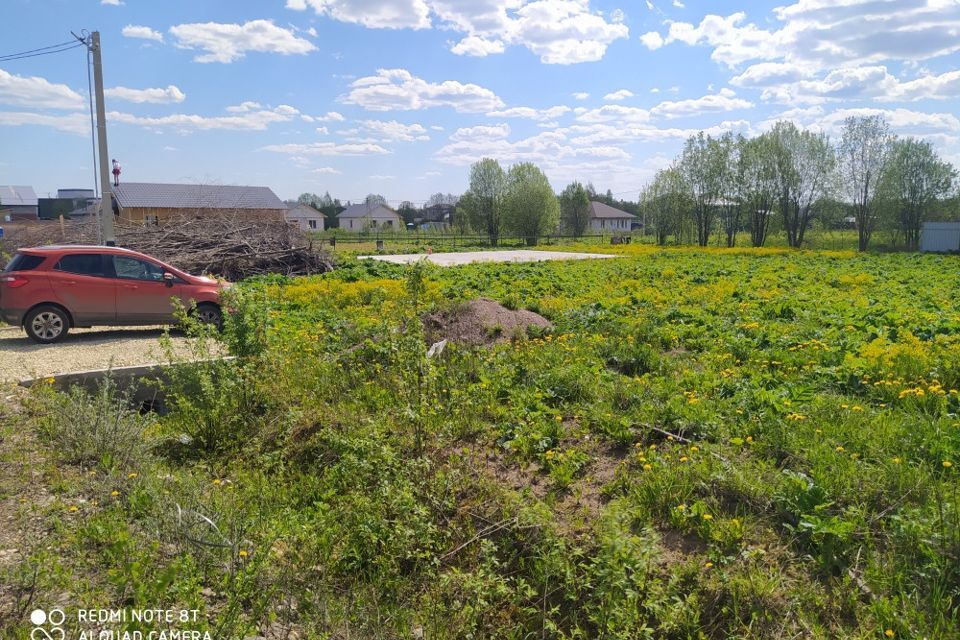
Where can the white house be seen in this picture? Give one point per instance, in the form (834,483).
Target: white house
(603,217)
(305,217)
(361,217)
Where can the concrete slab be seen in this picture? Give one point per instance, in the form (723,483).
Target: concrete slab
(470,257)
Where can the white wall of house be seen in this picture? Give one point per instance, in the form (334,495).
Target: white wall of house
(610,224)
(307,223)
(375,220)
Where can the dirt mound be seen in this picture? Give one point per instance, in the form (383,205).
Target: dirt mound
(480,322)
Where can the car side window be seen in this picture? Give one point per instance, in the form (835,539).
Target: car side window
(84,264)
(133,269)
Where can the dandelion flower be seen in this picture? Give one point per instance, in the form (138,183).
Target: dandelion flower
(114,493)
(132,475)
(684,458)
(243,553)
(707,516)
(889,633)
(897,460)
(839,447)
(707,565)
(947,464)
(216,481)
(74,508)
(647,467)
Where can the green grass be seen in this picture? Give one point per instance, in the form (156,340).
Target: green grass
(709,443)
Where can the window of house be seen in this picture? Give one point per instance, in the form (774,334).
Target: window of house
(312,224)
(151,220)
(388,223)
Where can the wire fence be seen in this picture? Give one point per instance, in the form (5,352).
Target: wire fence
(462,240)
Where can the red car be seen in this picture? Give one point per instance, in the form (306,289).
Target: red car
(48,290)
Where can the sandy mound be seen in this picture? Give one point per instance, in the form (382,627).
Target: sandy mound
(480,322)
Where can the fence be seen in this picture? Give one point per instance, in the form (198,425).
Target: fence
(453,240)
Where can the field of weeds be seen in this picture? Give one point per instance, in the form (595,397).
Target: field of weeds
(703,444)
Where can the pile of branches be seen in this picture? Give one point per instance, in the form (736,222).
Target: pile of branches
(222,246)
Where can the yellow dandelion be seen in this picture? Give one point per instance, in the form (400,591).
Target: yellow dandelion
(889,633)
(559,418)
(681,507)
(707,565)
(897,460)
(74,508)
(684,458)
(947,464)
(132,475)
(707,516)
(114,493)
(840,447)
(216,481)
(647,467)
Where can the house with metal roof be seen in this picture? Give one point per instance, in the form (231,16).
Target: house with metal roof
(363,217)
(603,217)
(18,203)
(155,203)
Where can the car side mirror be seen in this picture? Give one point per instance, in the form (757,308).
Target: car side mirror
(168,279)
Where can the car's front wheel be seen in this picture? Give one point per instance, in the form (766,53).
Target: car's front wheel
(47,324)
(209,313)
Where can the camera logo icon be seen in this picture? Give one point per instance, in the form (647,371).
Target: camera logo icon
(47,625)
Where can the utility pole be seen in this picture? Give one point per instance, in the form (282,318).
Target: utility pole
(106,193)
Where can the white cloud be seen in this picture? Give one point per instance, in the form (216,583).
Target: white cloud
(398,89)
(254,120)
(331,116)
(323,131)
(382,177)
(37,92)
(558,31)
(580,95)
(244,107)
(77,123)
(327,149)
(139,31)
(376,14)
(228,42)
(478,47)
(112,3)
(391,130)
(771,73)
(614,113)
(652,40)
(169,95)
(327,170)
(861,83)
(622,94)
(725,100)
(530,113)
(678,4)
(481,132)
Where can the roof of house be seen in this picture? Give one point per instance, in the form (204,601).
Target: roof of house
(195,196)
(601,210)
(14,196)
(364,210)
(298,208)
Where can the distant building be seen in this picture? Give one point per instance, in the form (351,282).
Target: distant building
(53,208)
(436,216)
(361,217)
(154,203)
(18,203)
(603,217)
(305,217)
(76,193)
(940,237)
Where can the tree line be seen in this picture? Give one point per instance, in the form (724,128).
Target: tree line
(790,176)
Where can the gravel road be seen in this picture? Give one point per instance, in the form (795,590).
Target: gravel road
(82,349)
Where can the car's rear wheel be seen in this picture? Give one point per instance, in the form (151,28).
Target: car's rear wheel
(47,323)
(209,313)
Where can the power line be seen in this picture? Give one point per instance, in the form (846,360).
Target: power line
(44,52)
(53,46)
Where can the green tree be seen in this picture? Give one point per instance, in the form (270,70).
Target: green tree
(483,202)
(575,209)
(375,198)
(704,164)
(664,203)
(407,211)
(530,206)
(915,180)
(863,153)
(805,169)
(757,185)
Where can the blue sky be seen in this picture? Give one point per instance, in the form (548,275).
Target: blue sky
(399,97)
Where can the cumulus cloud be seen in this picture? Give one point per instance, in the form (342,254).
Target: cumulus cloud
(37,92)
(331,116)
(580,95)
(327,149)
(141,32)
(652,40)
(530,113)
(250,120)
(77,123)
(326,171)
(873,82)
(170,95)
(376,14)
(558,31)
(226,42)
(724,100)
(622,94)
(391,130)
(398,89)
